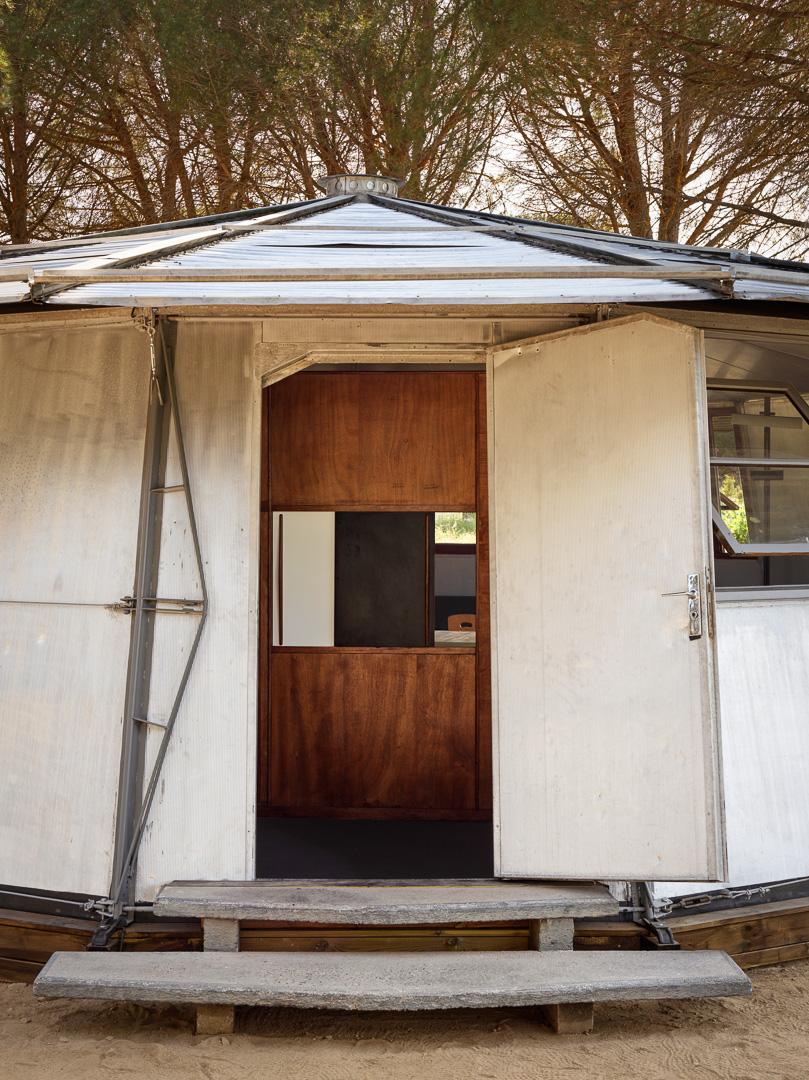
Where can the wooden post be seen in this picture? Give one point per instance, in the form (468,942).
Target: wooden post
(571,1018)
(218,935)
(215,1019)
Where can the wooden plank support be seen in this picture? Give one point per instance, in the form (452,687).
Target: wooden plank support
(215,1019)
(574,1018)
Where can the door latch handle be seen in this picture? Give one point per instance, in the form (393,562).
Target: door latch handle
(694,595)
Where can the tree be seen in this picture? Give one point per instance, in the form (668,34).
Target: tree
(618,128)
(36,176)
(681,120)
(175,107)
(405,88)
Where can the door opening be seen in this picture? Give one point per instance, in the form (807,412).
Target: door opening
(374,680)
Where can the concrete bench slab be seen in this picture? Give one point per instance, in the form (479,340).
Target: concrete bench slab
(390,981)
(383,904)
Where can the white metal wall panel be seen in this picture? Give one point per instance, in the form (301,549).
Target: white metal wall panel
(202,820)
(72,422)
(605,714)
(764,687)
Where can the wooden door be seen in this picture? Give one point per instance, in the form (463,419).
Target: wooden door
(607,736)
(358,730)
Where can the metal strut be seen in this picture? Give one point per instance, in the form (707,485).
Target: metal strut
(135,802)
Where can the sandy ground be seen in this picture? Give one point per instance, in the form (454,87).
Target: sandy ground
(766,1036)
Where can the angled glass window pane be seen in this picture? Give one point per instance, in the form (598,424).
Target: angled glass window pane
(762,504)
(756,424)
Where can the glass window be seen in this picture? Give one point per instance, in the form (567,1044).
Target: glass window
(755,423)
(759,444)
(763,505)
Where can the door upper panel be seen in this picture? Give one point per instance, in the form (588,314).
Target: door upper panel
(607,740)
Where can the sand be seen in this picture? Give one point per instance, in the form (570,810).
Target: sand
(766,1036)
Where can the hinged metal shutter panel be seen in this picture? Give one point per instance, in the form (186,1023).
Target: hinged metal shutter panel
(607,739)
(72,416)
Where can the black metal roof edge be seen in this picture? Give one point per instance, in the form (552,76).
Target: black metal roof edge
(597,235)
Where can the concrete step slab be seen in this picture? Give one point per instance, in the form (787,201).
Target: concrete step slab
(390,981)
(383,903)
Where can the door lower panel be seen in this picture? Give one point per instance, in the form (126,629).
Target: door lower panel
(361,730)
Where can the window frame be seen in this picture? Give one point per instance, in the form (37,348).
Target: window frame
(801,407)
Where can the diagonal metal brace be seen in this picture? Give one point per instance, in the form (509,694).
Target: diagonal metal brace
(136,799)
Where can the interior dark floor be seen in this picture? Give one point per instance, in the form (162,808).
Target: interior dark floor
(333,848)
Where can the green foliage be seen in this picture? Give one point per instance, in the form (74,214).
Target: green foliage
(455,527)
(735,519)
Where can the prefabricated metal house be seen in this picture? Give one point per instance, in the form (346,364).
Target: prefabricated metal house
(368,539)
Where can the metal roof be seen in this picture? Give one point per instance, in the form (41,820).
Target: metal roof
(370,249)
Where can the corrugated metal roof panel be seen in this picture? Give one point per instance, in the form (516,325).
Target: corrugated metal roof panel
(764,290)
(13,292)
(59,257)
(352,256)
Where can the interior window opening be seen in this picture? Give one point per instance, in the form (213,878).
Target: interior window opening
(455,578)
(375,579)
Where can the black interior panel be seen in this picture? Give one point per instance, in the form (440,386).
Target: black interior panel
(380,585)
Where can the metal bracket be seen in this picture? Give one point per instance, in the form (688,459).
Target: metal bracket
(126,605)
(159,605)
(644,900)
(147,321)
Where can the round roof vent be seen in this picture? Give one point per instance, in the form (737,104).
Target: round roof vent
(360,184)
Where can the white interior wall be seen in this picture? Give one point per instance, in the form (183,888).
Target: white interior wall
(203,818)
(72,423)
(306,544)
(764,689)
(455,575)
